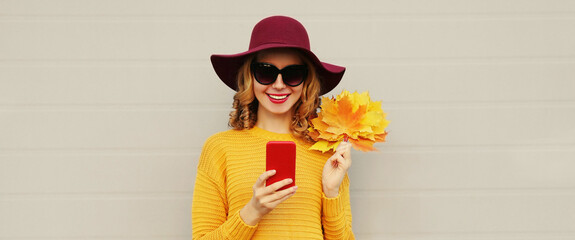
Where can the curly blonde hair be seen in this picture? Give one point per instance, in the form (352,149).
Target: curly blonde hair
(244,115)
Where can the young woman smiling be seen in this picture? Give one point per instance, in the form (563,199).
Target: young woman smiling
(278,83)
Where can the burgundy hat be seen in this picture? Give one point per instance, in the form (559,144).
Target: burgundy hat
(277,32)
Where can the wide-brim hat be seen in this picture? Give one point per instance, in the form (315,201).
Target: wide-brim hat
(277,32)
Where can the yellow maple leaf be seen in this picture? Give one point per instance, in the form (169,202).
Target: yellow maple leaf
(350,116)
(323,145)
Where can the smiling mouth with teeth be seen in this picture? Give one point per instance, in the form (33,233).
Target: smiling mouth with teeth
(278,97)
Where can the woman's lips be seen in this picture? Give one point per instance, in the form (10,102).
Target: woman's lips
(278,98)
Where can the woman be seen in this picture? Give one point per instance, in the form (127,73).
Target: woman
(278,83)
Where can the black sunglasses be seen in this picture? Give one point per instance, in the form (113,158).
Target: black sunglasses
(266,74)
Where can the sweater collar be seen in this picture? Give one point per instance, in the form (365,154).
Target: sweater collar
(271,136)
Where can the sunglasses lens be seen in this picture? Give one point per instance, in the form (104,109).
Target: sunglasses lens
(265,74)
(294,75)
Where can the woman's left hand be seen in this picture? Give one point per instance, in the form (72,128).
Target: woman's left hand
(335,169)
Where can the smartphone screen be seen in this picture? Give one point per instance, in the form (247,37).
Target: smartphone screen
(280,156)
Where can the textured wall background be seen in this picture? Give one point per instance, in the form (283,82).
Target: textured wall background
(104,107)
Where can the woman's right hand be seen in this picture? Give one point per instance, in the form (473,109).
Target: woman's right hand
(265,199)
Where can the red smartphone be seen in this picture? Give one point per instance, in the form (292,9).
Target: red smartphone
(280,155)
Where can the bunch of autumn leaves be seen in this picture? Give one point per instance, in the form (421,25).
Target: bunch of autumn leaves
(349,117)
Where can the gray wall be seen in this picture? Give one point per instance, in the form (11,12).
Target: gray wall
(104,106)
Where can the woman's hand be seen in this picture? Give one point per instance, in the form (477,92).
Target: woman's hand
(335,169)
(265,199)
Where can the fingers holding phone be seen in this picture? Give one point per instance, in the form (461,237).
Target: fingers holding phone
(272,195)
(266,198)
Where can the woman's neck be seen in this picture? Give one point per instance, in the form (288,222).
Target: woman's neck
(273,122)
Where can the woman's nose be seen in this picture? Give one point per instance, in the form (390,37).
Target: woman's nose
(279,83)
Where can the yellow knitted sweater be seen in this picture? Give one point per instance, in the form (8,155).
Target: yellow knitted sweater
(229,165)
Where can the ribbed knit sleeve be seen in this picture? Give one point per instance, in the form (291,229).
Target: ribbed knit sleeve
(336,214)
(211,218)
